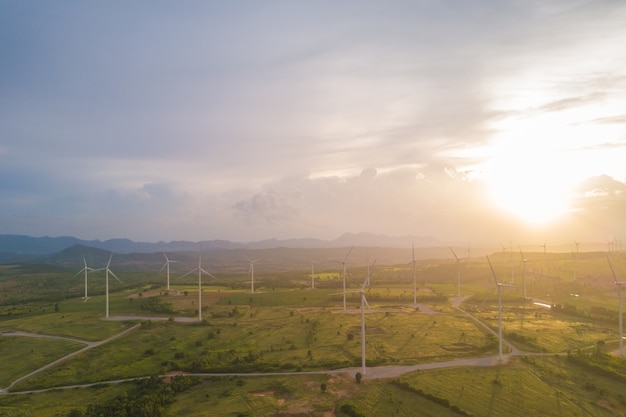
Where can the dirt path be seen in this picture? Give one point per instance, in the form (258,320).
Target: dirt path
(90,345)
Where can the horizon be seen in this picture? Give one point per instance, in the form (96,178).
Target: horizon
(496,122)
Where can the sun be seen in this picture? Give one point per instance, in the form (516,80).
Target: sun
(535,200)
(531,186)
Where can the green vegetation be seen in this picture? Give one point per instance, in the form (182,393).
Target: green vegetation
(567,365)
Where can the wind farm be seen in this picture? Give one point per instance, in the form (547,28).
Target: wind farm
(386,332)
(308,208)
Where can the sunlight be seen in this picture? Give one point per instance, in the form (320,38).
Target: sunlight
(532,173)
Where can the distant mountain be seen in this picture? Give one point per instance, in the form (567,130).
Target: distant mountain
(11,246)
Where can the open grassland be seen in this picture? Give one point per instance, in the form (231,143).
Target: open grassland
(548,386)
(58,402)
(21,355)
(285,328)
(84,326)
(254,338)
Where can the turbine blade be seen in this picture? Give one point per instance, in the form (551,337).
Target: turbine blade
(188,273)
(455,257)
(115,276)
(207,273)
(349,252)
(612,270)
(109,263)
(487,297)
(366,303)
(495,278)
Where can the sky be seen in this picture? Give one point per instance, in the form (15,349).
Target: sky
(481,121)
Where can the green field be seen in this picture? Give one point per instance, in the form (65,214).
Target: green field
(567,365)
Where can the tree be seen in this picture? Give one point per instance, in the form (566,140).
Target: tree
(323,387)
(358,377)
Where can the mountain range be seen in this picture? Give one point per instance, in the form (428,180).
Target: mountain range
(68,250)
(28,245)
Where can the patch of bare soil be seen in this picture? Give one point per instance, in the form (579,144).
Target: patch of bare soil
(170,375)
(152,293)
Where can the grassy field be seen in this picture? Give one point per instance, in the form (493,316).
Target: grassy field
(283,329)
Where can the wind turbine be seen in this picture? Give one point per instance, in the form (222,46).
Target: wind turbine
(523,270)
(166,266)
(200,272)
(414,278)
(367,279)
(512,266)
(574,264)
(618,284)
(343,263)
(458,274)
(251,269)
(313,274)
(499,285)
(85,269)
(363,304)
(544,247)
(108,270)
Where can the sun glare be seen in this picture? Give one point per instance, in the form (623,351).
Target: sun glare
(531,182)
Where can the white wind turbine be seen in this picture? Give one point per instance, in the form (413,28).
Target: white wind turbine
(367,279)
(458,274)
(200,272)
(86,270)
(343,263)
(523,270)
(166,266)
(414,277)
(252,262)
(108,270)
(363,304)
(618,284)
(313,274)
(512,266)
(499,285)
(574,264)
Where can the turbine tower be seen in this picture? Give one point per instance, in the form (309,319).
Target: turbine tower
(414,278)
(363,304)
(251,269)
(367,279)
(200,272)
(85,269)
(574,264)
(618,284)
(312,274)
(166,266)
(108,270)
(499,285)
(523,270)
(343,263)
(458,274)
(512,266)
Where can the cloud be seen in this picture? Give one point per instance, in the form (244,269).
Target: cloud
(294,118)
